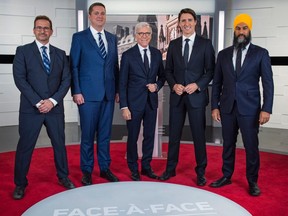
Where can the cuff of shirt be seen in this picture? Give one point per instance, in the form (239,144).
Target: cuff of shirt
(53,101)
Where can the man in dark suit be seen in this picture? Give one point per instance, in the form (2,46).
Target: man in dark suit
(141,77)
(189,69)
(94,66)
(236,100)
(43,78)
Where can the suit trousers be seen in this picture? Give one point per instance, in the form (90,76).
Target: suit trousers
(29,129)
(148,115)
(95,120)
(197,121)
(249,127)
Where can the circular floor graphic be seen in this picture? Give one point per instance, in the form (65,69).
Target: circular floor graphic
(136,198)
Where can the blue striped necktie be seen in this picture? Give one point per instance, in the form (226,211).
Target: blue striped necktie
(45,59)
(102,47)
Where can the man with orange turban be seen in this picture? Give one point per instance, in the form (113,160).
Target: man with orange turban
(236,100)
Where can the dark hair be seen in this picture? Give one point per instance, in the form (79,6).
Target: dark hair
(95,4)
(187,10)
(43,17)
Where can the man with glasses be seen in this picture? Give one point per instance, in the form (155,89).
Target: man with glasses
(94,66)
(141,77)
(41,73)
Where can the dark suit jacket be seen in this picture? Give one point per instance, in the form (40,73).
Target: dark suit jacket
(228,88)
(34,83)
(94,77)
(200,70)
(134,78)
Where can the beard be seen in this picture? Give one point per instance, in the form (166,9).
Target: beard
(240,42)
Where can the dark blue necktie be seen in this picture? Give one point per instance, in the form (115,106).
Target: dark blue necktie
(146,61)
(45,59)
(238,61)
(186,51)
(101,46)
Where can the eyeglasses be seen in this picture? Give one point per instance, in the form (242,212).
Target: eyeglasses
(141,34)
(40,28)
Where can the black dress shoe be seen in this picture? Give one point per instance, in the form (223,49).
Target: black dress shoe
(19,192)
(66,182)
(135,176)
(254,190)
(221,182)
(201,180)
(107,174)
(149,173)
(86,179)
(167,175)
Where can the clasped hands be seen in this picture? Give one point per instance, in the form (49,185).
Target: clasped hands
(45,106)
(189,89)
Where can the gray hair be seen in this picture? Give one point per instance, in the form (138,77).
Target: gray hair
(141,25)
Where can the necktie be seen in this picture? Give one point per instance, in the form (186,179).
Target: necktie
(238,61)
(101,46)
(146,61)
(186,51)
(45,59)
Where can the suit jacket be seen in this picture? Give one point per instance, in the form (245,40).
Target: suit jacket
(228,88)
(34,83)
(134,78)
(93,76)
(199,70)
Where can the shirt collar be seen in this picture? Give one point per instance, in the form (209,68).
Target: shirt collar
(142,48)
(95,32)
(192,37)
(39,45)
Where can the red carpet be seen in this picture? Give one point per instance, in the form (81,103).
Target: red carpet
(43,181)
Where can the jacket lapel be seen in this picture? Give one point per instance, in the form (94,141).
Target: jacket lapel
(38,56)
(139,59)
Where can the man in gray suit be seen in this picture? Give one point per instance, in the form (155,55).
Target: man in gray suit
(41,73)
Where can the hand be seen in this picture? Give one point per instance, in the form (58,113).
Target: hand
(117,98)
(46,106)
(216,115)
(264,117)
(152,87)
(78,99)
(126,114)
(191,88)
(179,89)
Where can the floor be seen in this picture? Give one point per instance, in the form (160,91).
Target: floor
(271,140)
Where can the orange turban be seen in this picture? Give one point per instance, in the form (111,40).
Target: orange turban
(245,18)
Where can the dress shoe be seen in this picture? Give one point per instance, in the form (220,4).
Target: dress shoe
(167,175)
(66,182)
(201,180)
(86,179)
(221,182)
(19,192)
(149,173)
(135,176)
(107,174)
(254,190)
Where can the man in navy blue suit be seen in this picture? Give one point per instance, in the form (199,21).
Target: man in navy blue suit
(141,77)
(94,66)
(189,69)
(41,73)
(236,100)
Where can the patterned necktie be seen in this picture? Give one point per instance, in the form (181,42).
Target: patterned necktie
(238,61)
(102,47)
(146,61)
(186,51)
(45,59)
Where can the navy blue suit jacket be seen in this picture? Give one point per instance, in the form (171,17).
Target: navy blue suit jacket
(200,70)
(228,88)
(92,76)
(134,78)
(34,83)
